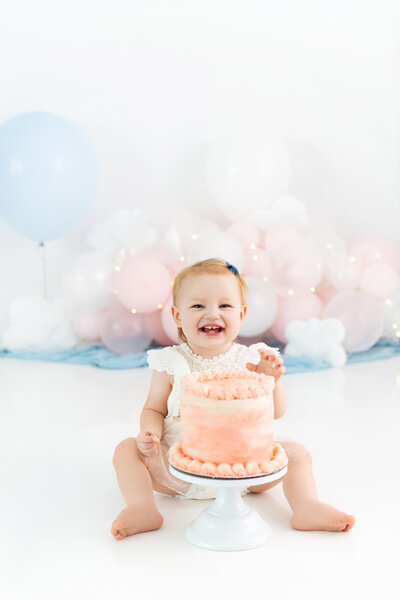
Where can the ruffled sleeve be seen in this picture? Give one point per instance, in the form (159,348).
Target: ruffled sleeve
(168,360)
(253,355)
(172,362)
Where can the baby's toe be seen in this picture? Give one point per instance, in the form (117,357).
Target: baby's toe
(117,531)
(347,521)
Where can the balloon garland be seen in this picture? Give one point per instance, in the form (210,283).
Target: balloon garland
(307,287)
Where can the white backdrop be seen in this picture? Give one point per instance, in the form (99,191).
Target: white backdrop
(153,84)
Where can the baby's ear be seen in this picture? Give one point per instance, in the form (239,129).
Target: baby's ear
(243,312)
(175,315)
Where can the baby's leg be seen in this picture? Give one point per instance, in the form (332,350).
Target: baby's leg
(136,486)
(301,492)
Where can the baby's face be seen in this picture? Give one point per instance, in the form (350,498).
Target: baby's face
(209,310)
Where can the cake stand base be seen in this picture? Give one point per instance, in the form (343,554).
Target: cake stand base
(228,524)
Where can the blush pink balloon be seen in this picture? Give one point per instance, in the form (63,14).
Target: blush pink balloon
(257,264)
(362,317)
(327,293)
(143,284)
(123,332)
(169,324)
(373,248)
(379,280)
(302,307)
(245,233)
(155,328)
(295,263)
(87,324)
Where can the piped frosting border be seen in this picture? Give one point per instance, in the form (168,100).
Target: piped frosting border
(195,466)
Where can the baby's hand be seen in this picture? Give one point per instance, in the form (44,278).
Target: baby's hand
(270,364)
(147,443)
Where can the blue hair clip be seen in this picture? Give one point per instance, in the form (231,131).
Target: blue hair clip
(232,268)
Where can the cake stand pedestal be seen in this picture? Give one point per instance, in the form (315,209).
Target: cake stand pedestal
(228,524)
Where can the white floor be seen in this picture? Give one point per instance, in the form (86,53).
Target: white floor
(59,426)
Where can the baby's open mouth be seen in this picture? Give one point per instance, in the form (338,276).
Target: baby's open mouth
(212,329)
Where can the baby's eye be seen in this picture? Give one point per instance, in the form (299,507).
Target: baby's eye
(197,306)
(225,306)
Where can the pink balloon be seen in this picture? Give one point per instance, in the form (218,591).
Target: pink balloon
(169,324)
(373,248)
(245,233)
(361,316)
(257,264)
(143,284)
(295,307)
(122,332)
(155,328)
(87,324)
(326,293)
(379,280)
(296,265)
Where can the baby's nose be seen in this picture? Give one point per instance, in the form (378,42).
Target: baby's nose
(213,312)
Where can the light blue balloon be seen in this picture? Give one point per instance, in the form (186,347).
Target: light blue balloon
(48,175)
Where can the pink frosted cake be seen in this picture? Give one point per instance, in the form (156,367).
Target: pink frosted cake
(227,425)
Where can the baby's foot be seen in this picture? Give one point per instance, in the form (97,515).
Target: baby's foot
(135,519)
(322,517)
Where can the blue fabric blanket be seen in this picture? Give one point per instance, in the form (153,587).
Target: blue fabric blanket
(99,356)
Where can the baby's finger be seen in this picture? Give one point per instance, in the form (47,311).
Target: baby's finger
(251,367)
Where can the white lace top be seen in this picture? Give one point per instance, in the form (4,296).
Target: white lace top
(181,360)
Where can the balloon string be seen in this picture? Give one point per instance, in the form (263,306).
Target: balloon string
(43,255)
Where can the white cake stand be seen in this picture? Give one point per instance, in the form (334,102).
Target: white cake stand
(228,524)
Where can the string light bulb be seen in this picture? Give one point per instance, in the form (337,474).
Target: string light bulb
(160,306)
(290,292)
(133,311)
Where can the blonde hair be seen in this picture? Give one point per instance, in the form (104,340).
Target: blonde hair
(214,266)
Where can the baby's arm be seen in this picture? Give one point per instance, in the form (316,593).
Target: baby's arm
(280,400)
(271,364)
(153,413)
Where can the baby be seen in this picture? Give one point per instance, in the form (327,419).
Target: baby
(208,308)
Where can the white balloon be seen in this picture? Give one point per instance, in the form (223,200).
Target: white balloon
(246,171)
(379,280)
(331,246)
(362,317)
(89,281)
(344,274)
(110,234)
(262,306)
(391,315)
(216,244)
